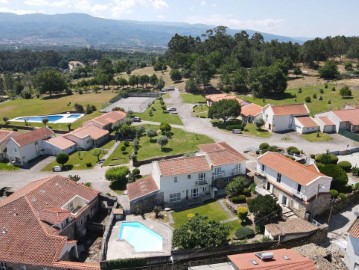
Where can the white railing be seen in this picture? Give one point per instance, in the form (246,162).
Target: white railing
(218,175)
(201,182)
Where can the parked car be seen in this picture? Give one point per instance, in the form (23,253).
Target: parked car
(56,169)
(136,119)
(171,109)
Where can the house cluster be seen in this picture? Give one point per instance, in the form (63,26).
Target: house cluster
(186,178)
(40,225)
(20,148)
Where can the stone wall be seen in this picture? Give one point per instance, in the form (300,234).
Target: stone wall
(339,205)
(147,204)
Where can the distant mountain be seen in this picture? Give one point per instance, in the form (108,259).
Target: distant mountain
(76,29)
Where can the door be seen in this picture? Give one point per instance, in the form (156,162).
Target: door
(187,194)
(284,200)
(268,186)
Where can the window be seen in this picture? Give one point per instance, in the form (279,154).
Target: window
(175,197)
(201,176)
(15,150)
(263,168)
(299,188)
(204,189)
(23,267)
(3,266)
(217,170)
(194,193)
(71,206)
(175,179)
(189,176)
(279,177)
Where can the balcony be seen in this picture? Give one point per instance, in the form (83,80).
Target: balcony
(218,175)
(201,182)
(236,171)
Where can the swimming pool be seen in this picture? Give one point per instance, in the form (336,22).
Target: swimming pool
(53,118)
(140,237)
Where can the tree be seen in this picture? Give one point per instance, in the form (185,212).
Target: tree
(175,75)
(340,177)
(265,209)
(62,158)
(153,80)
(45,121)
(162,141)
(236,186)
(224,109)
(165,128)
(151,133)
(133,80)
(329,70)
(50,81)
(122,82)
(97,153)
(157,209)
(297,70)
(118,175)
(6,120)
(242,213)
(345,92)
(200,232)
(144,80)
(203,71)
(259,123)
(160,83)
(191,86)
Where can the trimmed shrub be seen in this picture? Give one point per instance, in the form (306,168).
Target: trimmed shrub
(321,90)
(307,99)
(314,96)
(263,146)
(293,150)
(334,193)
(343,196)
(126,143)
(300,90)
(246,192)
(244,233)
(239,199)
(345,165)
(355,171)
(326,159)
(320,98)
(242,213)
(356,186)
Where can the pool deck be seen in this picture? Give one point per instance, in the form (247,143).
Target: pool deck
(66,118)
(118,249)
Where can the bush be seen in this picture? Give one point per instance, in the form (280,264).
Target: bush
(126,143)
(239,199)
(242,213)
(320,98)
(246,192)
(293,150)
(321,90)
(235,187)
(334,193)
(333,89)
(356,186)
(244,233)
(343,196)
(326,158)
(126,263)
(300,90)
(307,99)
(314,96)
(355,171)
(263,146)
(340,177)
(345,92)
(345,165)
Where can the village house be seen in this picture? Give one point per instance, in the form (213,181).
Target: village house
(280,118)
(251,112)
(59,144)
(88,136)
(218,97)
(186,178)
(41,222)
(334,121)
(301,188)
(351,258)
(25,147)
(5,136)
(106,120)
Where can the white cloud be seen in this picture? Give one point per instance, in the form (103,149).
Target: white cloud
(4,2)
(260,25)
(18,11)
(159,4)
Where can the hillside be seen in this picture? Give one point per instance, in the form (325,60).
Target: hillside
(77,29)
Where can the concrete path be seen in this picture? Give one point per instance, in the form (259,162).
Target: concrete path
(222,203)
(108,154)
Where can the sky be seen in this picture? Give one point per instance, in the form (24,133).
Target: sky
(304,18)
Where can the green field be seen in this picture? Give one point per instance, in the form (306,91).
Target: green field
(191,98)
(32,107)
(7,166)
(313,137)
(315,106)
(200,111)
(181,142)
(234,225)
(118,157)
(212,210)
(159,115)
(251,129)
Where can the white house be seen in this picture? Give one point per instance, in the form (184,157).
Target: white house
(305,124)
(88,136)
(342,119)
(251,112)
(325,124)
(27,146)
(351,258)
(279,118)
(302,188)
(106,120)
(5,136)
(59,144)
(185,178)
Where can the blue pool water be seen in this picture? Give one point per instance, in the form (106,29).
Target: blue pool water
(55,118)
(140,237)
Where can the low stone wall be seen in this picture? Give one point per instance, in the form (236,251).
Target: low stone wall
(138,163)
(339,205)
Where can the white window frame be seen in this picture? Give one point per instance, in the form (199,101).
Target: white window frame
(175,197)
(194,193)
(202,176)
(217,170)
(3,266)
(263,167)
(279,177)
(175,179)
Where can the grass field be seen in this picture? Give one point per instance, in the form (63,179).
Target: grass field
(212,210)
(32,107)
(251,129)
(181,142)
(315,106)
(200,111)
(234,225)
(118,157)
(313,137)
(7,166)
(159,115)
(191,98)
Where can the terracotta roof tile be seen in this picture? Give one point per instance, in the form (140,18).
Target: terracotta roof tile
(326,121)
(219,97)
(109,118)
(251,109)
(5,134)
(77,265)
(296,261)
(54,215)
(183,165)
(221,153)
(350,115)
(61,142)
(354,229)
(293,170)
(141,188)
(295,109)
(33,136)
(307,121)
(94,132)
(290,226)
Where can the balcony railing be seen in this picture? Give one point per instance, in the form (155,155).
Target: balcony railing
(201,182)
(218,175)
(236,171)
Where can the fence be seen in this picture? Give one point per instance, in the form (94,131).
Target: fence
(349,135)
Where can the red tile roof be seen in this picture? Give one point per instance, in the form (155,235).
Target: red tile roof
(141,188)
(295,262)
(94,132)
(219,97)
(295,171)
(183,165)
(5,134)
(109,118)
(53,215)
(354,229)
(290,226)
(33,136)
(307,121)
(350,115)
(251,109)
(221,153)
(77,265)
(61,142)
(295,109)
(326,121)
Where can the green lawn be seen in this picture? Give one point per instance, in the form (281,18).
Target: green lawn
(200,111)
(213,210)
(118,157)
(191,98)
(181,142)
(7,166)
(235,225)
(159,115)
(29,107)
(251,129)
(313,137)
(292,97)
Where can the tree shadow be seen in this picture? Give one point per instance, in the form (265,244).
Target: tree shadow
(67,167)
(118,185)
(166,149)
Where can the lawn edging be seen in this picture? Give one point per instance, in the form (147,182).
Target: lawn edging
(138,163)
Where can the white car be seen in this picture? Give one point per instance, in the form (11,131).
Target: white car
(171,109)
(56,169)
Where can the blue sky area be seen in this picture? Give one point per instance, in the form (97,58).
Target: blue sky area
(305,18)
